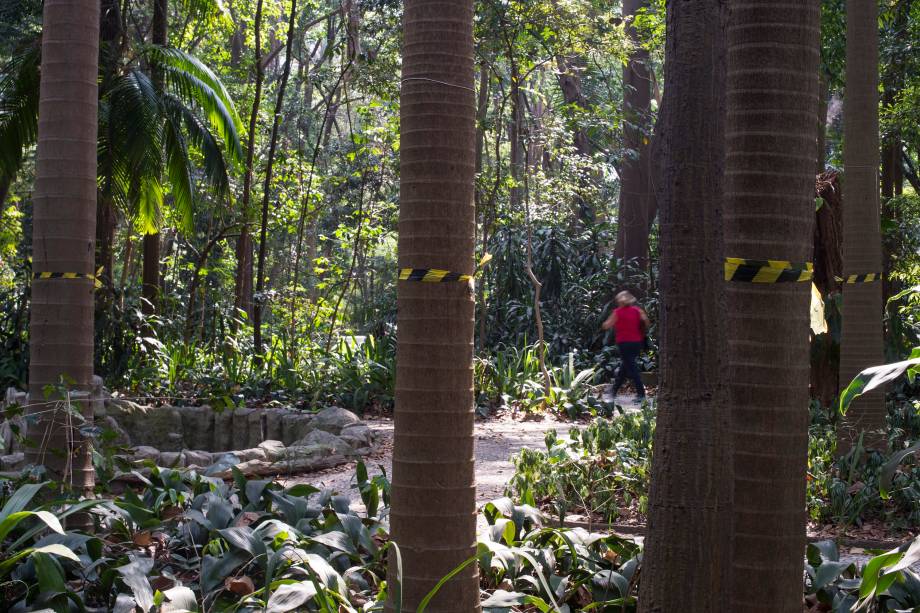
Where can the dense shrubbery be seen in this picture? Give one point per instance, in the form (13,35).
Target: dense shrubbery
(188,542)
(191,543)
(603,472)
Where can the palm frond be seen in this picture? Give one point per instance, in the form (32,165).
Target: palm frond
(149,216)
(199,137)
(131,147)
(196,84)
(19,84)
(177,169)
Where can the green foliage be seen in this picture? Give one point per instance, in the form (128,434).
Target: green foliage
(885,583)
(522,562)
(196,543)
(602,471)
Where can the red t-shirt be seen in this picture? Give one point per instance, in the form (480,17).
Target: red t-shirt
(628,325)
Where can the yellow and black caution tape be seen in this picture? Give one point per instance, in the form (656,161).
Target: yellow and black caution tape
(767,271)
(865,278)
(431,275)
(436,275)
(68,275)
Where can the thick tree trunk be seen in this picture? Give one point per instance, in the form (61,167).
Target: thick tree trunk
(514,137)
(862,344)
(105,249)
(259,305)
(64,219)
(828,235)
(150,288)
(433,514)
(688,541)
(635,170)
(822,124)
(773,59)
(243,284)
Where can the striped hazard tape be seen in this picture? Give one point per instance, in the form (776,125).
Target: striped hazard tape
(866,278)
(68,275)
(767,271)
(431,275)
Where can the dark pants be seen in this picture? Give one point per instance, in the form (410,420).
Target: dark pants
(628,368)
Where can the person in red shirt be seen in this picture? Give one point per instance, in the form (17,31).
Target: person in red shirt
(629,322)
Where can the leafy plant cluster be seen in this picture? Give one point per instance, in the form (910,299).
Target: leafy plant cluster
(602,471)
(189,542)
(887,582)
(579,280)
(511,377)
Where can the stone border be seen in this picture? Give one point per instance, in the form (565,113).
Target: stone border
(256,441)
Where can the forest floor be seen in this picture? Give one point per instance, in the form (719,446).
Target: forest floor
(497,439)
(500,437)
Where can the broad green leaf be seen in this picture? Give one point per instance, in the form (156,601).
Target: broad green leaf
(874,569)
(828,572)
(290,596)
(21,498)
(58,550)
(870,379)
(134,574)
(13,519)
(49,573)
(886,474)
(502,598)
(179,599)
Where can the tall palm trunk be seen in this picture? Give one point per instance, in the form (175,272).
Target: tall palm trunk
(773,54)
(433,516)
(861,343)
(63,230)
(688,541)
(150,277)
(635,171)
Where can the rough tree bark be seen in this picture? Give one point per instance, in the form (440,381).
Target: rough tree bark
(259,305)
(243,283)
(150,277)
(635,170)
(63,231)
(688,540)
(773,55)
(861,343)
(433,513)
(828,233)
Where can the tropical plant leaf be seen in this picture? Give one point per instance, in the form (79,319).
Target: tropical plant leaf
(872,378)
(10,522)
(289,596)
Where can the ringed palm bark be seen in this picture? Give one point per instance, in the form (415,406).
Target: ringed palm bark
(63,230)
(773,57)
(688,542)
(433,514)
(861,342)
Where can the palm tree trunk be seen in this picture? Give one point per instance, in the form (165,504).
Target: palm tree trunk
(150,288)
(861,343)
(433,515)
(635,172)
(773,51)
(64,226)
(688,540)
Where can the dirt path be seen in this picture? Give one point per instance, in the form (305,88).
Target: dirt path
(496,441)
